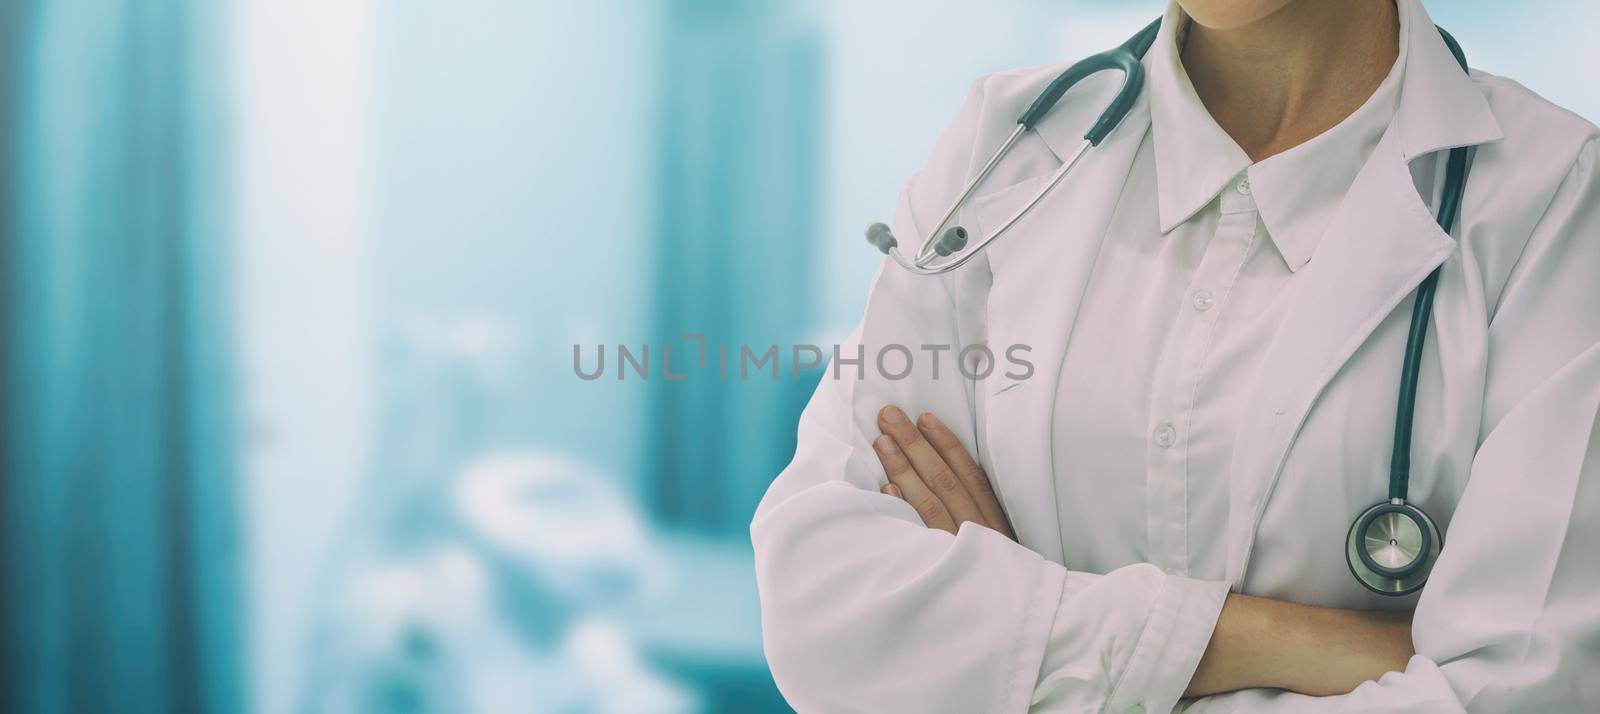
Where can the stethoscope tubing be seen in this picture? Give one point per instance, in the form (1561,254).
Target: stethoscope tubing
(1421,310)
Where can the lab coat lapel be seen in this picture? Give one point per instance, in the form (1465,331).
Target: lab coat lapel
(1039,274)
(1382,243)
(1379,247)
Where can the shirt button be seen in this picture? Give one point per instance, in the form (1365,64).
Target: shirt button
(1165,435)
(1203,300)
(1243,187)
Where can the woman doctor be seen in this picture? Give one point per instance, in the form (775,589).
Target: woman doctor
(1214,305)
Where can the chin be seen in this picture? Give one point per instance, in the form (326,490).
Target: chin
(1230,14)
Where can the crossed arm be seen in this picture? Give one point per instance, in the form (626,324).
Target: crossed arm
(1257,642)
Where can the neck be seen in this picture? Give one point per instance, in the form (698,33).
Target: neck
(1282,80)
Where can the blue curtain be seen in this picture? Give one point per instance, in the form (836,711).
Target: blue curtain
(738,183)
(116,538)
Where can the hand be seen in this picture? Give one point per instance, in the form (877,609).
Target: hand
(930,469)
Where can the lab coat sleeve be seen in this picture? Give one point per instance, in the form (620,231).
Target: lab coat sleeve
(864,609)
(1510,620)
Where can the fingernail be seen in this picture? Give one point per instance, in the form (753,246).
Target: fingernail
(884,444)
(890,489)
(893,415)
(929,420)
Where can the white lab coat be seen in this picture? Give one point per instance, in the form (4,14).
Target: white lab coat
(865,609)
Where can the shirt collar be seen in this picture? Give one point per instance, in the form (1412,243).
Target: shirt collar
(1298,191)
(1194,157)
(1426,97)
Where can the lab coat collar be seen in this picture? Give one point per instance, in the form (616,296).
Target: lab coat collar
(1441,107)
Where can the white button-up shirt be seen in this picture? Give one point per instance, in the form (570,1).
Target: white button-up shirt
(1180,307)
(1183,300)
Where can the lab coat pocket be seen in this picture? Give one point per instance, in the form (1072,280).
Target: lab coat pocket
(1005,306)
(992,210)
(1038,271)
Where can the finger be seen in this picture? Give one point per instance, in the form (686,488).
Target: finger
(912,490)
(934,471)
(890,489)
(967,470)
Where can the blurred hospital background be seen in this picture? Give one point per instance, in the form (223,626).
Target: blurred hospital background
(291,289)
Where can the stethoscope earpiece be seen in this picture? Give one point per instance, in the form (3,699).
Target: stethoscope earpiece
(879,236)
(953,240)
(950,242)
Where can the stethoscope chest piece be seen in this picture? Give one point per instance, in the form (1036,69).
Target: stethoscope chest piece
(1392,546)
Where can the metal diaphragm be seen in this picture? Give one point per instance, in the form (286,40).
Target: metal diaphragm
(1391,548)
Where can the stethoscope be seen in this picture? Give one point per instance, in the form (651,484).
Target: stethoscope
(1391,547)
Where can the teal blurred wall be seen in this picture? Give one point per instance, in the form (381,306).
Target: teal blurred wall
(119,518)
